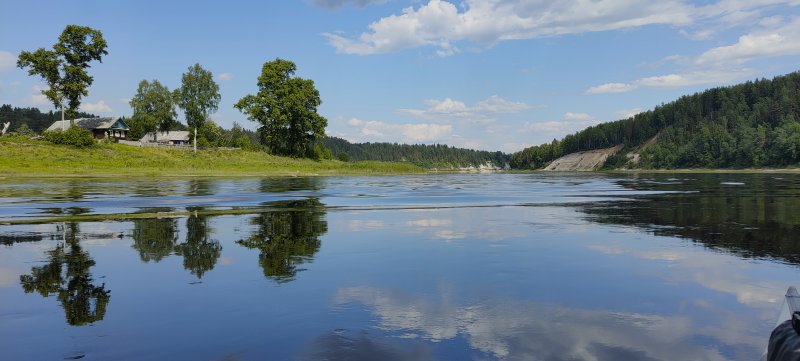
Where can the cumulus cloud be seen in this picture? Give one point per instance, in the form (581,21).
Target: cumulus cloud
(7,60)
(383,131)
(444,24)
(441,24)
(335,4)
(571,122)
(722,64)
(224,76)
(451,109)
(98,107)
(768,41)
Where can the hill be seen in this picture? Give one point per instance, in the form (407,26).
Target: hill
(754,124)
(427,156)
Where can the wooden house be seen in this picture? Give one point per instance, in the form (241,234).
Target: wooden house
(101,128)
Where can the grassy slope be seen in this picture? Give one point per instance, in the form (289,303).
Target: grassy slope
(20,157)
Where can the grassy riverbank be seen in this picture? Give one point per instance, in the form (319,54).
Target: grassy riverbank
(20,157)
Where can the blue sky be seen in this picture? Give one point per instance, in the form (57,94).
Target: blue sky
(485,74)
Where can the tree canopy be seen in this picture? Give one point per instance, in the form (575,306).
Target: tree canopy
(153,107)
(64,67)
(286,108)
(198,96)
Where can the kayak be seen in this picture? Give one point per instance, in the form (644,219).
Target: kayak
(791,304)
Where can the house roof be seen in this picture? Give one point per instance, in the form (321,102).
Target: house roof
(91,123)
(172,136)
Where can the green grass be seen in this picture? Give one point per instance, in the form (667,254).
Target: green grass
(20,157)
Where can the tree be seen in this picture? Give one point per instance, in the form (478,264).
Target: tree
(154,107)
(286,108)
(198,97)
(64,67)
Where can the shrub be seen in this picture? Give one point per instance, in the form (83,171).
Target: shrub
(25,131)
(74,136)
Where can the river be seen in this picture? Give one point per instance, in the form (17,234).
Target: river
(426,267)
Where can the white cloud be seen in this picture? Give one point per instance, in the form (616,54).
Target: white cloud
(99,107)
(761,43)
(627,113)
(372,130)
(224,76)
(722,64)
(443,24)
(335,4)
(7,60)
(674,80)
(481,111)
(440,23)
(611,88)
(37,98)
(576,116)
(571,123)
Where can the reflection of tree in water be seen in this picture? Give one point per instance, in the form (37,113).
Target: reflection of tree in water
(286,184)
(200,252)
(67,276)
(200,187)
(154,238)
(287,237)
(756,218)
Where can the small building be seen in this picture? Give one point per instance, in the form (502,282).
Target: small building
(175,137)
(101,128)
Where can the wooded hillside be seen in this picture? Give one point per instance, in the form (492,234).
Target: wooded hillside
(755,124)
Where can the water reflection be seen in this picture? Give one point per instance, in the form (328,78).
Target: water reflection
(288,184)
(759,220)
(200,187)
(154,238)
(511,329)
(353,346)
(67,275)
(200,252)
(287,237)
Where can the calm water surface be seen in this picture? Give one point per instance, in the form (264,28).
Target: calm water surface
(432,267)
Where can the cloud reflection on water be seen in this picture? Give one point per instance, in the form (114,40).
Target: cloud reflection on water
(526,330)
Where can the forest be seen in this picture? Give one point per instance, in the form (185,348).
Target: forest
(33,120)
(426,156)
(754,124)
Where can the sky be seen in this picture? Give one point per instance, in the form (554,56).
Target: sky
(482,74)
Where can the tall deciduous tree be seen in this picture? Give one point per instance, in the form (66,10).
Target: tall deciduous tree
(198,97)
(64,67)
(154,107)
(286,108)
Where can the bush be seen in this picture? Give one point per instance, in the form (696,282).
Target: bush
(74,136)
(319,152)
(342,156)
(25,131)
